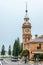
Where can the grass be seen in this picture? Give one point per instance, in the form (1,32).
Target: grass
(5,56)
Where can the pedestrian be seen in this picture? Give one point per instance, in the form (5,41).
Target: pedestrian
(25,59)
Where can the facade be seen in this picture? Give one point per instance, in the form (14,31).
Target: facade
(35,45)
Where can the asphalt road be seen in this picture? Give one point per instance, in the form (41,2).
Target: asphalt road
(9,62)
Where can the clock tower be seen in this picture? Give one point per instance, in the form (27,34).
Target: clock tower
(26,28)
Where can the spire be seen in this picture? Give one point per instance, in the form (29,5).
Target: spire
(26,17)
(26,8)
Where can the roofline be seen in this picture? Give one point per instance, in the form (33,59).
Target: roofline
(32,42)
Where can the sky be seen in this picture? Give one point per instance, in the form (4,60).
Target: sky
(12,13)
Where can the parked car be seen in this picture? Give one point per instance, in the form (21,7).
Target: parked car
(1,58)
(0,63)
(14,59)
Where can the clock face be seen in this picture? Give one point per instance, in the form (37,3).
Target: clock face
(27,30)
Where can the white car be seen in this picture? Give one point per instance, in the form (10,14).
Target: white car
(0,63)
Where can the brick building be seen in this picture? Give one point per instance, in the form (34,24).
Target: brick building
(33,45)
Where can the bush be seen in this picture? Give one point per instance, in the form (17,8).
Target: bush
(39,56)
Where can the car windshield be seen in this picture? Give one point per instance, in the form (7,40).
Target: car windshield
(15,57)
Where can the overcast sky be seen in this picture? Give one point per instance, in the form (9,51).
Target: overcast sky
(12,13)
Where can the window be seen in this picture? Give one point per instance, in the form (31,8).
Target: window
(39,47)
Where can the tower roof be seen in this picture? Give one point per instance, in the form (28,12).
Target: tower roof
(26,24)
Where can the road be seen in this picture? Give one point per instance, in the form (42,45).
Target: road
(9,62)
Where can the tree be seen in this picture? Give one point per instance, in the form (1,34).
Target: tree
(3,50)
(9,51)
(25,53)
(16,47)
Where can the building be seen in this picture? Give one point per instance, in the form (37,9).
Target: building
(35,45)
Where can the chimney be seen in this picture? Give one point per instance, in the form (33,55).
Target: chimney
(36,36)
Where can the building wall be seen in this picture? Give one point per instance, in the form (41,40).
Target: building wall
(32,47)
